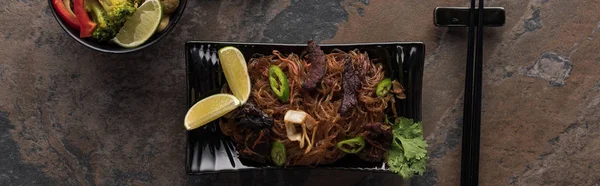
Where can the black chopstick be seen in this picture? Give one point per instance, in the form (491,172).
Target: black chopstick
(477,96)
(472,99)
(465,173)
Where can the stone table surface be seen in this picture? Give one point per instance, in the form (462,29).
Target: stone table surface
(73,116)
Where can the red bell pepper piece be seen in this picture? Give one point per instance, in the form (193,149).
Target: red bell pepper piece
(87,26)
(65,14)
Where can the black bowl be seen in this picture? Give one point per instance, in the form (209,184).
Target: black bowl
(114,48)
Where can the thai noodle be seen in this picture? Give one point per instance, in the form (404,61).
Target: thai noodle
(323,104)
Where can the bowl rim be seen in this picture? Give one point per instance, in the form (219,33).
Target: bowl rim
(173,22)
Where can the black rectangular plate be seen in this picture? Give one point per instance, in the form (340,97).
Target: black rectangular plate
(209,151)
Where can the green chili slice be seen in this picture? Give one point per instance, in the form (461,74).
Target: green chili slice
(383,87)
(278,154)
(352,146)
(279,83)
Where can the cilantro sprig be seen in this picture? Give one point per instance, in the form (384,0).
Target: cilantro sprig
(408,155)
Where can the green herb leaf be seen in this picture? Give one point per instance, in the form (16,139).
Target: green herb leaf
(419,166)
(397,163)
(408,155)
(414,148)
(407,128)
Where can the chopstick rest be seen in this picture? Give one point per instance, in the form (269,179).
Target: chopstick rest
(459,17)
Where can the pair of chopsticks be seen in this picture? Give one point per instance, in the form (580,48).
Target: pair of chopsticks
(472,99)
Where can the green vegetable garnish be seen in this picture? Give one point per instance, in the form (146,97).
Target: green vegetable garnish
(408,155)
(279,83)
(383,87)
(110,16)
(352,146)
(278,154)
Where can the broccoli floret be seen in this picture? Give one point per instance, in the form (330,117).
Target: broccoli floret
(102,32)
(110,15)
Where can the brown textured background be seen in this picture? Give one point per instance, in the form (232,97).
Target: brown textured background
(72,116)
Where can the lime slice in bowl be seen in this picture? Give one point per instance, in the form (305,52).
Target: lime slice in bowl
(141,26)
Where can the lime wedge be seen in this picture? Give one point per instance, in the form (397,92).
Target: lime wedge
(209,109)
(236,72)
(141,26)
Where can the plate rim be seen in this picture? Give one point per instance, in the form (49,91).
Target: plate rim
(304,44)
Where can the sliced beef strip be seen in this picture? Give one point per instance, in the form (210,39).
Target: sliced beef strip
(379,139)
(371,154)
(256,125)
(380,133)
(350,84)
(318,66)
(250,116)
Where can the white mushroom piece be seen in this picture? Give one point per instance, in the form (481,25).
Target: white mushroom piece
(293,118)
